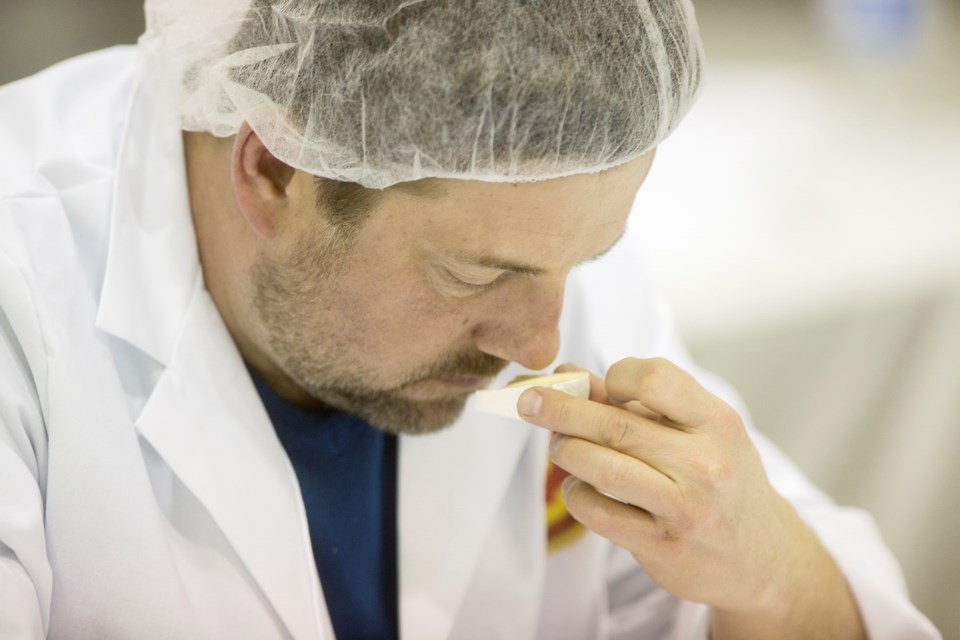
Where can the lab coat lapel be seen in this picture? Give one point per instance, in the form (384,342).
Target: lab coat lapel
(202,413)
(207,422)
(451,487)
(152,261)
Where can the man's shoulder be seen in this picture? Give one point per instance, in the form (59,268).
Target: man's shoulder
(64,124)
(88,73)
(60,131)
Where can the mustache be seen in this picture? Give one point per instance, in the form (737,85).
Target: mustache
(462,365)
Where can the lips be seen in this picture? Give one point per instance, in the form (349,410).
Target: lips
(465,382)
(445,388)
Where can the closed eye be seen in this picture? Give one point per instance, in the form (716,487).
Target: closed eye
(473,283)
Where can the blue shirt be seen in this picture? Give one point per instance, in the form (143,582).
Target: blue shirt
(347,471)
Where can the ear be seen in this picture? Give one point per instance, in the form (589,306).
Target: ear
(260,182)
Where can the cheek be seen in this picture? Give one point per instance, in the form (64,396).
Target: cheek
(406,314)
(399,310)
(434,319)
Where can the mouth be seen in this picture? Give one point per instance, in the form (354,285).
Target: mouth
(438,388)
(466,383)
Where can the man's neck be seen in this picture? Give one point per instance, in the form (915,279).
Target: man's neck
(228,249)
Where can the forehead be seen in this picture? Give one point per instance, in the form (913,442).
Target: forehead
(552,221)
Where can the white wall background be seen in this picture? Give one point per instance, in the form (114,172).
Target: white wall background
(805,222)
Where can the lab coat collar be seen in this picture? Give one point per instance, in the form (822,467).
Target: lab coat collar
(206,420)
(203,415)
(152,263)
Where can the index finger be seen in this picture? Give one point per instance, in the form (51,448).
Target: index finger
(602,424)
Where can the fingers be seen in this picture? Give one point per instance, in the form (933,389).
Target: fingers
(629,527)
(666,389)
(615,474)
(607,426)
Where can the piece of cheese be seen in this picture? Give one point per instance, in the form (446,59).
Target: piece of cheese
(503,402)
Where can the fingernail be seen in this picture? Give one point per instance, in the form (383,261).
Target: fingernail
(530,403)
(567,483)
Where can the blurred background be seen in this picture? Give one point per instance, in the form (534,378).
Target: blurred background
(805,223)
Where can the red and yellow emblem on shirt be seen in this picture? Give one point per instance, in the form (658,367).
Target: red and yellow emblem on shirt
(562,529)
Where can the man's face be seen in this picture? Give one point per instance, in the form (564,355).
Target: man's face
(439,289)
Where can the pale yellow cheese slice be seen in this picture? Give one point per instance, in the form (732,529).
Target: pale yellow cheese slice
(503,402)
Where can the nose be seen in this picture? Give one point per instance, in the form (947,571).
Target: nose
(525,328)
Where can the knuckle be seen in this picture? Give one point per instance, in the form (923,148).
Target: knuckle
(640,378)
(562,411)
(651,377)
(717,471)
(603,519)
(659,364)
(614,475)
(615,429)
(728,416)
(712,472)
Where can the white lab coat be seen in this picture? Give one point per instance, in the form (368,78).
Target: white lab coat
(143,492)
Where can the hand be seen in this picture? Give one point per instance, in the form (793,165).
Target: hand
(667,471)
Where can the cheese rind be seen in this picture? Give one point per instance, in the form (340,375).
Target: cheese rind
(503,402)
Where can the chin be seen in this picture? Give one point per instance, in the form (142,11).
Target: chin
(413,418)
(394,413)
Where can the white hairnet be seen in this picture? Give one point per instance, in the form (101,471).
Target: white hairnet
(385,91)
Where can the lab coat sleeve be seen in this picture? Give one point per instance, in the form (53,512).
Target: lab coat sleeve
(849,535)
(25,573)
(856,545)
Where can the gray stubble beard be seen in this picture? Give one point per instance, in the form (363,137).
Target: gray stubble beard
(281,291)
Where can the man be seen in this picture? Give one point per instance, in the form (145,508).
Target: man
(250,275)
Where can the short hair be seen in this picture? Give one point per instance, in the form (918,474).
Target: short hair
(346,204)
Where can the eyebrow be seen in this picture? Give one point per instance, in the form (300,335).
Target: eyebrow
(491,262)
